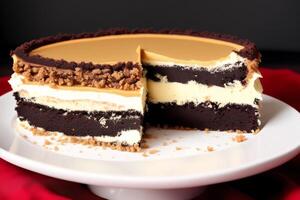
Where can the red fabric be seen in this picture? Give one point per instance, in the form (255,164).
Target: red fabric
(280,183)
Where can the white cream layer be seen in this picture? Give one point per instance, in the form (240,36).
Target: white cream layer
(73,105)
(179,93)
(77,100)
(218,65)
(129,137)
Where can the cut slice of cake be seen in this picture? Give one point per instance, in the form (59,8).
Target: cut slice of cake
(101,104)
(93,86)
(221,94)
(107,117)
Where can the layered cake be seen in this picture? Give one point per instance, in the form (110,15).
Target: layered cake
(106,86)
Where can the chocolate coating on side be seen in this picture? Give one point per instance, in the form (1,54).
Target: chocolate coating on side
(203,116)
(78,123)
(183,74)
(249,51)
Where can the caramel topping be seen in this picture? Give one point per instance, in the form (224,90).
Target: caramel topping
(123,48)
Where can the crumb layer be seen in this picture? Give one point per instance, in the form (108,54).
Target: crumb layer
(125,75)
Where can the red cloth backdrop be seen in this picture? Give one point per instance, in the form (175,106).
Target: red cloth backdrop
(280,183)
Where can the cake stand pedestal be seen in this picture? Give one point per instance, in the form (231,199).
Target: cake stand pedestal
(114,193)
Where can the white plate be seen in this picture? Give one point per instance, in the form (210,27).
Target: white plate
(182,160)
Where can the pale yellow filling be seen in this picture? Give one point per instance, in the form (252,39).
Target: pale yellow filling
(179,93)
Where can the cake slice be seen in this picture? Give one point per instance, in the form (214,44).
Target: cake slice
(101,104)
(93,87)
(221,94)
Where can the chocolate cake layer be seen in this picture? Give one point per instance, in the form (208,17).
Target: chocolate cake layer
(249,51)
(123,75)
(183,74)
(78,123)
(205,115)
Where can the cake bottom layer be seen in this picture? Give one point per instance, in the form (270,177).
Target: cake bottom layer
(206,115)
(54,139)
(113,126)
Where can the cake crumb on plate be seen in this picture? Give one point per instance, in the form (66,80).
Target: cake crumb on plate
(47,142)
(239,138)
(210,149)
(153,151)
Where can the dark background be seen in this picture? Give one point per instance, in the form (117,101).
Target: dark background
(273,25)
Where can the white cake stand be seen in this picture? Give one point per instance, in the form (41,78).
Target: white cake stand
(177,166)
